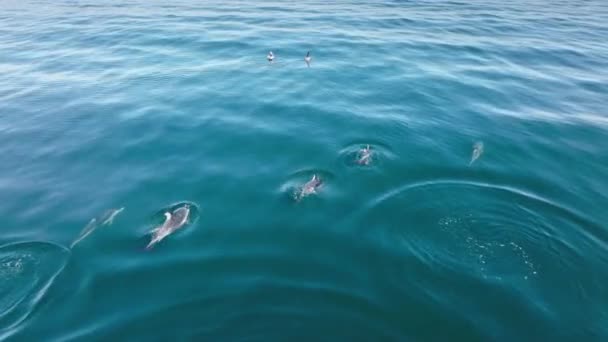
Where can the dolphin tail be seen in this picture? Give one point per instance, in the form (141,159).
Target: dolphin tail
(110,220)
(75,243)
(151,244)
(88,229)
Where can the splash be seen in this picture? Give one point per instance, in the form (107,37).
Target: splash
(364,156)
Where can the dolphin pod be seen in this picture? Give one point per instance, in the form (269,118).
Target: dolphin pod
(174,220)
(177,218)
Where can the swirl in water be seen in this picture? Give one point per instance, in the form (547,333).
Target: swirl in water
(495,238)
(26,271)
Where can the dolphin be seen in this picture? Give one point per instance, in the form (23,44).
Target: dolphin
(309,188)
(365,156)
(104,220)
(270,57)
(173,221)
(477,151)
(308,59)
(108,216)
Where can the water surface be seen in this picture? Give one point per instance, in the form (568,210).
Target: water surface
(145,104)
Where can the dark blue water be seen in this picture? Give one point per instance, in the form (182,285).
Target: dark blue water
(148,105)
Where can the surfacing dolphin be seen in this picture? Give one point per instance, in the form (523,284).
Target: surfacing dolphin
(309,188)
(173,221)
(308,59)
(104,220)
(365,156)
(477,151)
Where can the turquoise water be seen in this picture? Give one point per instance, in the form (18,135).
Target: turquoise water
(148,104)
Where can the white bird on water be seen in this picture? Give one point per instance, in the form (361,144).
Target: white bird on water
(308,59)
(270,57)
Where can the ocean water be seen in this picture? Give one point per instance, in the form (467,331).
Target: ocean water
(150,104)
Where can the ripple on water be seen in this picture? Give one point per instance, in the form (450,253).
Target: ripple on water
(282,284)
(27,270)
(507,244)
(491,231)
